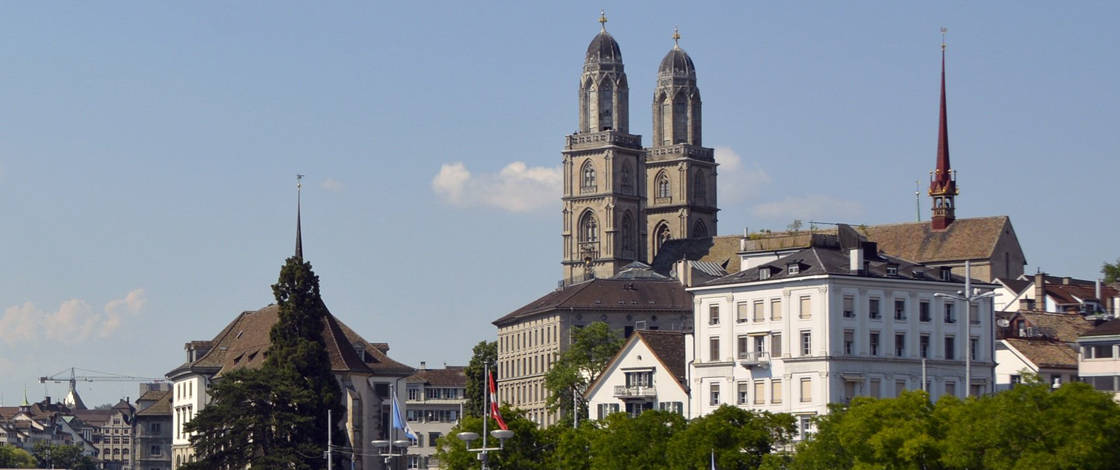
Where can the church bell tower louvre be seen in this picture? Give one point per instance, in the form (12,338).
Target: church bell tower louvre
(604,167)
(680,172)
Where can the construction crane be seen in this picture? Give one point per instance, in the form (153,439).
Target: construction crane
(72,399)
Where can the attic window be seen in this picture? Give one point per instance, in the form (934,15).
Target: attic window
(892,269)
(946,274)
(764,273)
(794,268)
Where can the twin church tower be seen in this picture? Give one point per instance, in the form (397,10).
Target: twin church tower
(622,201)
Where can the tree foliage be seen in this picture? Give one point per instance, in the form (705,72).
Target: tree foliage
(14,457)
(1027,427)
(1111,271)
(484,353)
(59,456)
(591,350)
(524,451)
(738,438)
(275,416)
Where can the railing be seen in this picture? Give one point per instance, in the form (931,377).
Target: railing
(638,391)
(756,358)
(605,137)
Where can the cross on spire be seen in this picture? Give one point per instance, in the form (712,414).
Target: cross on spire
(676,37)
(603,20)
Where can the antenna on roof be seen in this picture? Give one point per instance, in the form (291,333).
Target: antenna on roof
(917,200)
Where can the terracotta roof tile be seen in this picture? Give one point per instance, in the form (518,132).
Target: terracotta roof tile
(973,238)
(1063,327)
(1109,328)
(1044,353)
(668,346)
(452,376)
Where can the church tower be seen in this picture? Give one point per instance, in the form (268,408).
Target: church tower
(680,172)
(604,189)
(943,180)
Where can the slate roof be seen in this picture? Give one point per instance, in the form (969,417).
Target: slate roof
(451,376)
(1015,285)
(609,295)
(245,343)
(722,251)
(160,409)
(1109,328)
(973,238)
(815,261)
(669,348)
(1045,353)
(1063,327)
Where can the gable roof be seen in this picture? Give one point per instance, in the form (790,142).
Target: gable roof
(1109,328)
(451,376)
(160,409)
(666,346)
(1064,327)
(964,239)
(640,294)
(1045,353)
(820,260)
(246,340)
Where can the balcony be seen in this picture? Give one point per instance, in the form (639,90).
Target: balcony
(638,391)
(754,359)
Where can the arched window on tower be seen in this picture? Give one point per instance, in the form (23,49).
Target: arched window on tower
(606,106)
(699,230)
(587,178)
(588,228)
(627,178)
(700,188)
(662,235)
(662,187)
(628,237)
(680,120)
(666,120)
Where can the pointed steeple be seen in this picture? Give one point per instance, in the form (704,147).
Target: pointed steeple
(943,180)
(299,237)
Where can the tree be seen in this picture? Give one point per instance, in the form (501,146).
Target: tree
(738,438)
(524,451)
(61,456)
(641,442)
(591,350)
(14,457)
(275,416)
(485,353)
(1111,271)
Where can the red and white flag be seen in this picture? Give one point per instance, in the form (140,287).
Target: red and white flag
(494,404)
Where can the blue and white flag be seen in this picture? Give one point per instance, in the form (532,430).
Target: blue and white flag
(399,422)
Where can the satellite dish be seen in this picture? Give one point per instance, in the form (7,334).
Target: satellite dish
(1003,323)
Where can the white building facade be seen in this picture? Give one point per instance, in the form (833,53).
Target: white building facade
(648,373)
(824,325)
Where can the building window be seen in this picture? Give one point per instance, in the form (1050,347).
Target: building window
(875,386)
(776,345)
(742,387)
(670,406)
(874,343)
(794,268)
(155,427)
(713,349)
(849,342)
(900,344)
(776,391)
(588,228)
(155,451)
(949,317)
(950,348)
(714,394)
(663,186)
(923,346)
(806,309)
(973,346)
(873,308)
(639,379)
(627,236)
(776,309)
(849,306)
(744,347)
(923,311)
(713,314)
(741,312)
(1016,379)
(413,393)
(899,309)
(973,313)
(627,178)
(806,343)
(700,189)
(951,388)
(805,427)
(892,269)
(806,389)
(764,273)
(899,387)
(759,311)
(588,172)
(759,392)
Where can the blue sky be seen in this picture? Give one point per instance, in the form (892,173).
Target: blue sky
(148,151)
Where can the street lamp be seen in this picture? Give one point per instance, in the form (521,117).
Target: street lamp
(969,297)
(381,445)
(484,452)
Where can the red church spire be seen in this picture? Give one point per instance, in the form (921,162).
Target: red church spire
(943,181)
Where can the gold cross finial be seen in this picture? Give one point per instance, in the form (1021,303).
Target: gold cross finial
(299,182)
(676,36)
(603,19)
(943,31)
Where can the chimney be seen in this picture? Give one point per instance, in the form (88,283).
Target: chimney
(1040,291)
(1065,281)
(1098,292)
(423,365)
(855,260)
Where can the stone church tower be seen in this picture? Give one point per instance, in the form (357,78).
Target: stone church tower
(604,172)
(680,173)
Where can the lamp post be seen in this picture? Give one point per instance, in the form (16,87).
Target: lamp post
(969,297)
(484,452)
(381,445)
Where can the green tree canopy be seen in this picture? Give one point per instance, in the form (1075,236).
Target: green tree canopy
(484,353)
(275,416)
(526,450)
(1111,271)
(61,456)
(642,442)
(739,439)
(14,457)
(587,357)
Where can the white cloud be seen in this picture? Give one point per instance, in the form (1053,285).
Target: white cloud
(738,182)
(517,188)
(331,184)
(809,207)
(73,321)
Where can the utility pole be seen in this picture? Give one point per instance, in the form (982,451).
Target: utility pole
(330,460)
(969,297)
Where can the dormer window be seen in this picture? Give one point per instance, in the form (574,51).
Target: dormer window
(764,273)
(793,268)
(892,269)
(946,274)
